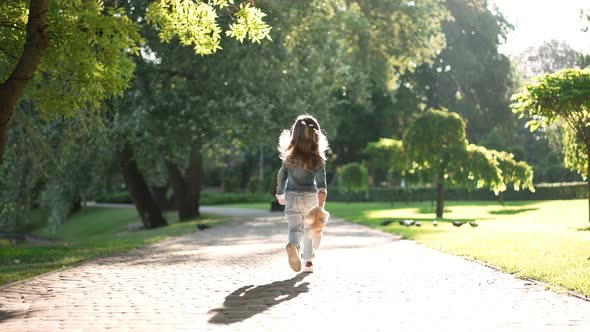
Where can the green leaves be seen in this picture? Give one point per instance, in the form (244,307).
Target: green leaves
(436,138)
(353,177)
(193,22)
(196,23)
(387,154)
(88,59)
(249,24)
(436,142)
(482,169)
(576,155)
(13,20)
(563,95)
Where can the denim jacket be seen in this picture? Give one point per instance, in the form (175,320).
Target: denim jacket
(299,180)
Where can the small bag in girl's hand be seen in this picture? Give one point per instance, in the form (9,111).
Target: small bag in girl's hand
(317,219)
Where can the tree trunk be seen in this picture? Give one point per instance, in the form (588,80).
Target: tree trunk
(19,221)
(159,193)
(195,181)
(187,189)
(222,178)
(13,88)
(76,205)
(440,199)
(146,206)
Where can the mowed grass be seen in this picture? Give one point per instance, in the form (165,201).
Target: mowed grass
(547,241)
(91,233)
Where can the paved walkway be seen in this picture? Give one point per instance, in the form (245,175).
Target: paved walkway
(235,277)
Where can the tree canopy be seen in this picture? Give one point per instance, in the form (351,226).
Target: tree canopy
(365,69)
(470,76)
(77,54)
(436,143)
(561,96)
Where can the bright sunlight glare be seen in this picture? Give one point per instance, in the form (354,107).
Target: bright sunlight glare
(536,21)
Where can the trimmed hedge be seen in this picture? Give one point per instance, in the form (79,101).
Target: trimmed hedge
(214,198)
(544,191)
(207,198)
(121,197)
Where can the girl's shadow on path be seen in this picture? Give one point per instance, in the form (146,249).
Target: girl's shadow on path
(248,301)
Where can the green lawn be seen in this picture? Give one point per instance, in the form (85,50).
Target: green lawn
(543,240)
(91,233)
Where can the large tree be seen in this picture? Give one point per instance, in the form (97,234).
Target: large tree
(256,88)
(470,76)
(40,38)
(104,38)
(544,148)
(564,96)
(39,41)
(386,39)
(437,143)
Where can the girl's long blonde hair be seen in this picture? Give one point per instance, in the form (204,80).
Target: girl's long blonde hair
(304,145)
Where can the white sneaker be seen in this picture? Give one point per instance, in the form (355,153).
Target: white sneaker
(308,267)
(293,254)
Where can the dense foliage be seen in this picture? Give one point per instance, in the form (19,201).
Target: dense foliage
(562,96)
(124,89)
(353,177)
(436,144)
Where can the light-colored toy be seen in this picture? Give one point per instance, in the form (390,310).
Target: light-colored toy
(317,219)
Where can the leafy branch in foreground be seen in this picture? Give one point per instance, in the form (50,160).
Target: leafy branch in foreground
(196,23)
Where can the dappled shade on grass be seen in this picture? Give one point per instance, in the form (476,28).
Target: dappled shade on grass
(430,210)
(90,233)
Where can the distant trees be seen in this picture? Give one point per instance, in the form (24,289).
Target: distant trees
(386,40)
(469,76)
(547,58)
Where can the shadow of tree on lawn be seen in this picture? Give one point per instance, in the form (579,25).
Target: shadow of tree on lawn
(248,301)
(512,211)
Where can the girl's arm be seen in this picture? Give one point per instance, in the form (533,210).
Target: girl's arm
(322,195)
(320,179)
(281,184)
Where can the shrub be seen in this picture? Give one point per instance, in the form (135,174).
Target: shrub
(353,178)
(120,197)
